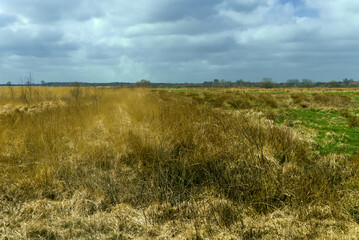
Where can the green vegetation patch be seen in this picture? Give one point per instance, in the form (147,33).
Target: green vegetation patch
(187,90)
(270,92)
(334,133)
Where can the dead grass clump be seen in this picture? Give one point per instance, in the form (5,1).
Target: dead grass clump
(217,100)
(345,113)
(305,100)
(240,103)
(331,99)
(37,231)
(268,100)
(353,121)
(271,115)
(300,99)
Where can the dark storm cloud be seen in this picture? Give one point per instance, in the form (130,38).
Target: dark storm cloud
(44,43)
(40,49)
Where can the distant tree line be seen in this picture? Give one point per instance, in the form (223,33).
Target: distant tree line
(216,83)
(268,83)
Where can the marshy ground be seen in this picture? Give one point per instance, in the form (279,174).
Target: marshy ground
(120,163)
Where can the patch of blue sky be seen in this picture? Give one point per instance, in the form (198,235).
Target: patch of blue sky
(301,9)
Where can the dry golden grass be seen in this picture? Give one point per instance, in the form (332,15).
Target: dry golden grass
(109,163)
(273,98)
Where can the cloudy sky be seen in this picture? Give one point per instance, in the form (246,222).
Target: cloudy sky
(178,40)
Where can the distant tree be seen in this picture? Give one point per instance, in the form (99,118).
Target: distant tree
(207,84)
(307,83)
(267,83)
(228,84)
(8,83)
(75,84)
(215,82)
(43,83)
(241,83)
(333,84)
(293,82)
(319,84)
(143,83)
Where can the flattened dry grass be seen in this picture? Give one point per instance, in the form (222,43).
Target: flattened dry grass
(137,164)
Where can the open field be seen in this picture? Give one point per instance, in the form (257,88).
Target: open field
(118,163)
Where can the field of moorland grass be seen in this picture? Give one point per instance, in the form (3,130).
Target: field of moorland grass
(119,163)
(329,117)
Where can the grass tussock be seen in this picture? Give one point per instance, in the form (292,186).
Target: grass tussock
(139,164)
(353,121)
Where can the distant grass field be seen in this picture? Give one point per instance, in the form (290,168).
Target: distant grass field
(329,115)
(132,163)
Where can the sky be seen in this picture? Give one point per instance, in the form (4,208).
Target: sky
(178,40)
